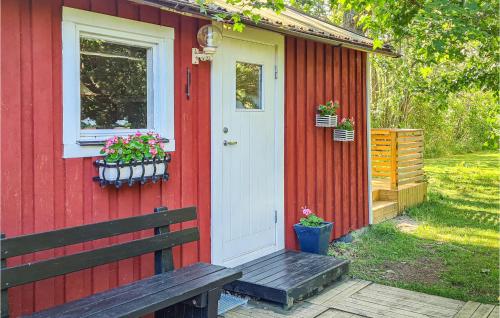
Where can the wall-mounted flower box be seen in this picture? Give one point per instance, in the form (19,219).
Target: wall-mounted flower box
(326,121)
(343,135)
(135,158)
(345,130)
(326,116)
(119,173)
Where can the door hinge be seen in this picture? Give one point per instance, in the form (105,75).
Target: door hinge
(275,216)
(275,71)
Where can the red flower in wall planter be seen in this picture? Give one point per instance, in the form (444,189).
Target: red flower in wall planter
(313,233)
(326,114)
(345,130)
(130,159)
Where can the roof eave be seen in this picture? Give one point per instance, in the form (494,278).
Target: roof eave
(194,11)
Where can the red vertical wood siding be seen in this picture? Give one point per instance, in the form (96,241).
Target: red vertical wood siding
(42,191)
(45,192)
(328,177)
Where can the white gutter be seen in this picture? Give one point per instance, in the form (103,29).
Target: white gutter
(369,134)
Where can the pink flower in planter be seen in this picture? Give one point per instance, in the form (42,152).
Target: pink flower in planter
(138,134)
(152,142)
(153,151)
(306,211)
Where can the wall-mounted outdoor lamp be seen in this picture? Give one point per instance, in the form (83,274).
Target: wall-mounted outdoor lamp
(209,38)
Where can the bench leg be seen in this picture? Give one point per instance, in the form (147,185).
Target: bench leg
(202,306)
(213,303)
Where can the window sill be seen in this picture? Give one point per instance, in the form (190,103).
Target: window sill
(90,143)
(85,149)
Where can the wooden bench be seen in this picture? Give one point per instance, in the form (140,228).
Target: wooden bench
(192,291)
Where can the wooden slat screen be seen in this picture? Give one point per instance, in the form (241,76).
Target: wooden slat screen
(397,156)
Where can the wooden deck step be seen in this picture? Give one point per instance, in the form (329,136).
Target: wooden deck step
(287,276)
(383,210)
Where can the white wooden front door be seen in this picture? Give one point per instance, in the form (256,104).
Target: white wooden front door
(247,147)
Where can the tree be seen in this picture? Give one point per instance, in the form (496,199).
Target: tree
(438,32)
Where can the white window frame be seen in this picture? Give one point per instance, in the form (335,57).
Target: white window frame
(159,40)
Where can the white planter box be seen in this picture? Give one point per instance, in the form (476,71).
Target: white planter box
(343,135)
(114,173)
(326,121)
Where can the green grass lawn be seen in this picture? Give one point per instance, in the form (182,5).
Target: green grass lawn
(453,248)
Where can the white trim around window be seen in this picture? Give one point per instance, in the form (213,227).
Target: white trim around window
(159,41)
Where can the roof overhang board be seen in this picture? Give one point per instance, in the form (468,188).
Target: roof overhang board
(192,9)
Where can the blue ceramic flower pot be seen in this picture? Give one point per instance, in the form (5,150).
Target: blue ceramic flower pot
(314,239)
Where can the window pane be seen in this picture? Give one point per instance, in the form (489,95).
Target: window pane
(113,85)
(248,86)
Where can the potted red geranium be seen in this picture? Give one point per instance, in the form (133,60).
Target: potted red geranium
(313,233)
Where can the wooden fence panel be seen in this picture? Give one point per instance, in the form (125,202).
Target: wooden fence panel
(397,156)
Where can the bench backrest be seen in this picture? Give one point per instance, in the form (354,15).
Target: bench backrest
(161,244)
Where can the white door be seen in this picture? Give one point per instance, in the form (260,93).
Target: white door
(247,144)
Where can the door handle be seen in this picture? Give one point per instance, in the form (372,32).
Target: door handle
(230,142)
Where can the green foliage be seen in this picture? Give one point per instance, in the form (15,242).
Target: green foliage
(346,124)
(312,220)
(461,34)
(455,118)
(328,109)
(246,9)
(113,86)
(248,85)
(315,8)
(454,249)
(134,147)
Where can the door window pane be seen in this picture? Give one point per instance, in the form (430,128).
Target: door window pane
(113,85)
(248,86)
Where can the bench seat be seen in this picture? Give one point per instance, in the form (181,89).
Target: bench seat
(148,295)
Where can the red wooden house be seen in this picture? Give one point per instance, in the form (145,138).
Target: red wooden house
(240,129)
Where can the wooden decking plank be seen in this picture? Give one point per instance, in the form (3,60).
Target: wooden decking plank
(288,264)
(332,291)
(302,272)
(346,293)
(363,311)
(483,311)
(372,308)
(260,263)
(257,309)
(401,303)
(317,269)
(260,259)
(467,310)
(417,296)
(403,299)
(495,313)
(334,313)
(286,271)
